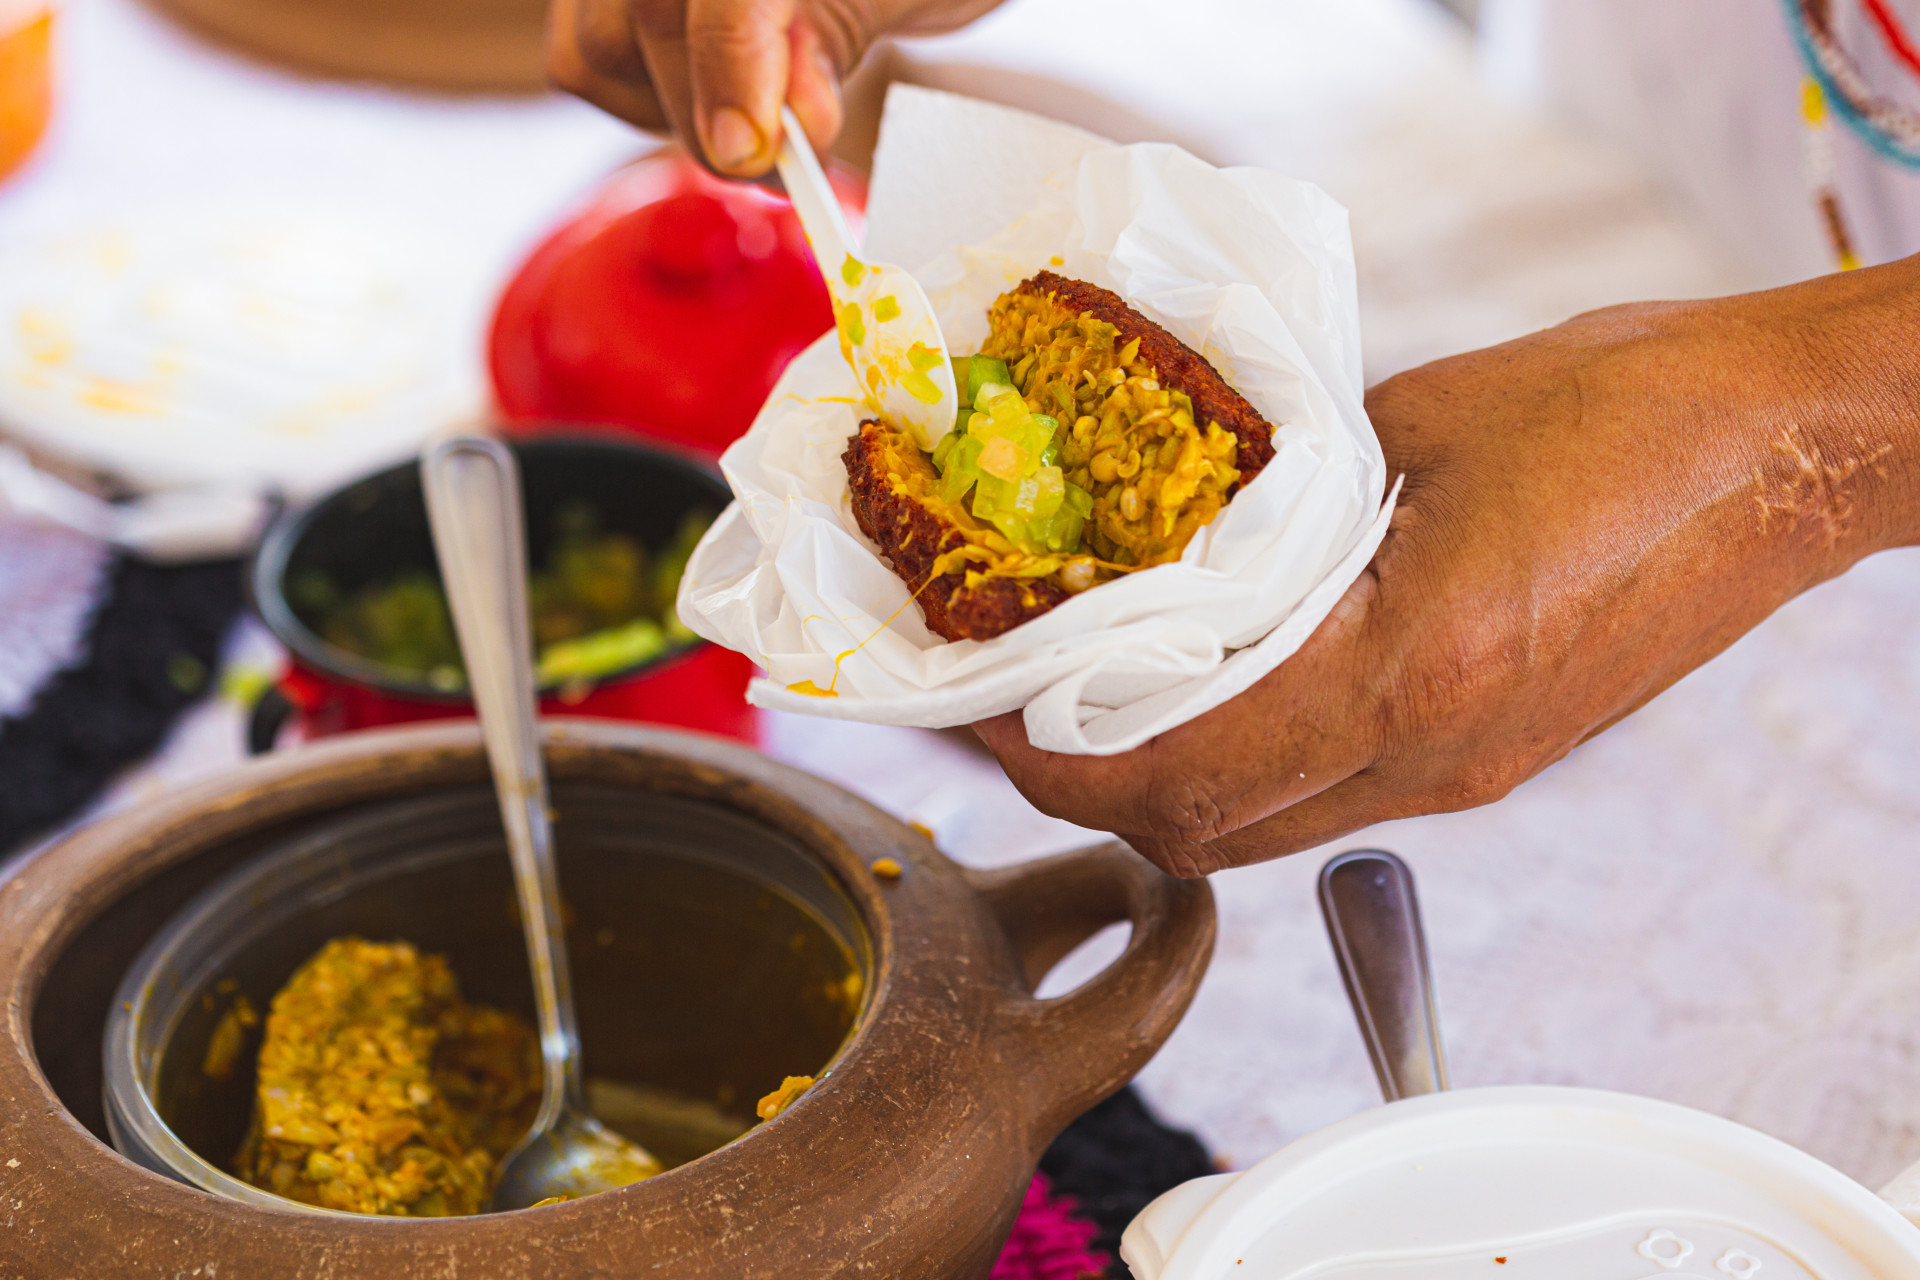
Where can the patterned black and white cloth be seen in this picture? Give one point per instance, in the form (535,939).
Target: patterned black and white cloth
(99,654)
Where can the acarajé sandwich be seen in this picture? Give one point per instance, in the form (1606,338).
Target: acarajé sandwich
(1090,443)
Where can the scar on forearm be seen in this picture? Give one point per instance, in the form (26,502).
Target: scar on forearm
(1812,490)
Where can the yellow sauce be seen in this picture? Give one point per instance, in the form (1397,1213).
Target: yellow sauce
(943,565)
(785,1096)
(1156,475)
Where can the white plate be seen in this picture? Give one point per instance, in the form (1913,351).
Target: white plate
(250,351)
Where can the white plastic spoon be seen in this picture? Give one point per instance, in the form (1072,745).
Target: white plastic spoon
(887,328)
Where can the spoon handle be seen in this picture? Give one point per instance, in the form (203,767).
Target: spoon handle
(473,504)
(814,201)
(1373,920)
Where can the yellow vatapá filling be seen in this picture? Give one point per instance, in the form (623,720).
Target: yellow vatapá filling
(381,1091)
(1156,476)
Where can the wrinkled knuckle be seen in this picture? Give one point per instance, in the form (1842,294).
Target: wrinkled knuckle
(1188,809)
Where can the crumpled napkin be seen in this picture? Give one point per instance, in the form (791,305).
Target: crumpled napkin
(1249,268)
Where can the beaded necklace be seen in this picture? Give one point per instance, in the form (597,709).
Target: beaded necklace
(1835,86)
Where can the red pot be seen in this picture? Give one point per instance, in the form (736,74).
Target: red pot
(669,305)
(377,525)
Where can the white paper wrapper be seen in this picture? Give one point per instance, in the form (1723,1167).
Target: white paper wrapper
(1252,270)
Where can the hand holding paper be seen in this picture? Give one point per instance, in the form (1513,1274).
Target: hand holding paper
(1250,270)
(1588,514)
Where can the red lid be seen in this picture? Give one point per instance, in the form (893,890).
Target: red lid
(670,304)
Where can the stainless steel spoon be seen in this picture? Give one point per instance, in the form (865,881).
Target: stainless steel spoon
(1373,920)
(473,504)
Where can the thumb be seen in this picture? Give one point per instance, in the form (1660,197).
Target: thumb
(740,54)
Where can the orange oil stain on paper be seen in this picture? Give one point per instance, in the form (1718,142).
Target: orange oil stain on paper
(813,690)
(941,565)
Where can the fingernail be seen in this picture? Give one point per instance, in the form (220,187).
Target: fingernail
(732,139)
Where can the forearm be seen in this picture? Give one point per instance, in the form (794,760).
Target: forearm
(1588,514)
(1837,473)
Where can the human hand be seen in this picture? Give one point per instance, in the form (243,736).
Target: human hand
(1589,513)
(716,72)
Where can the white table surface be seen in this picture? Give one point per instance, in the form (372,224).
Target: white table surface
(1715,903)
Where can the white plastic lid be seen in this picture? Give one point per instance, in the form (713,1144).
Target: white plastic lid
(1526,1184)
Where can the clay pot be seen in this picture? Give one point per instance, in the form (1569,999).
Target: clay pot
(908,1160)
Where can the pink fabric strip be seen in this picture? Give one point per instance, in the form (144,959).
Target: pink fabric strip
(1050,1241)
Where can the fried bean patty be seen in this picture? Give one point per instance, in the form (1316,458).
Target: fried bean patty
(1148,428)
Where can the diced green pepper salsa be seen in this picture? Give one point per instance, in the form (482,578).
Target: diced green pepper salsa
(1008,457)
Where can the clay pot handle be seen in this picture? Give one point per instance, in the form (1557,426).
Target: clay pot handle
(1084,1045)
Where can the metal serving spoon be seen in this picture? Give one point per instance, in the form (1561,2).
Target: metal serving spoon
(887,328)
(1373,920)
(473,503)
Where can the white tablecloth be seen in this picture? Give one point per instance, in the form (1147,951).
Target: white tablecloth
(1715,903)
